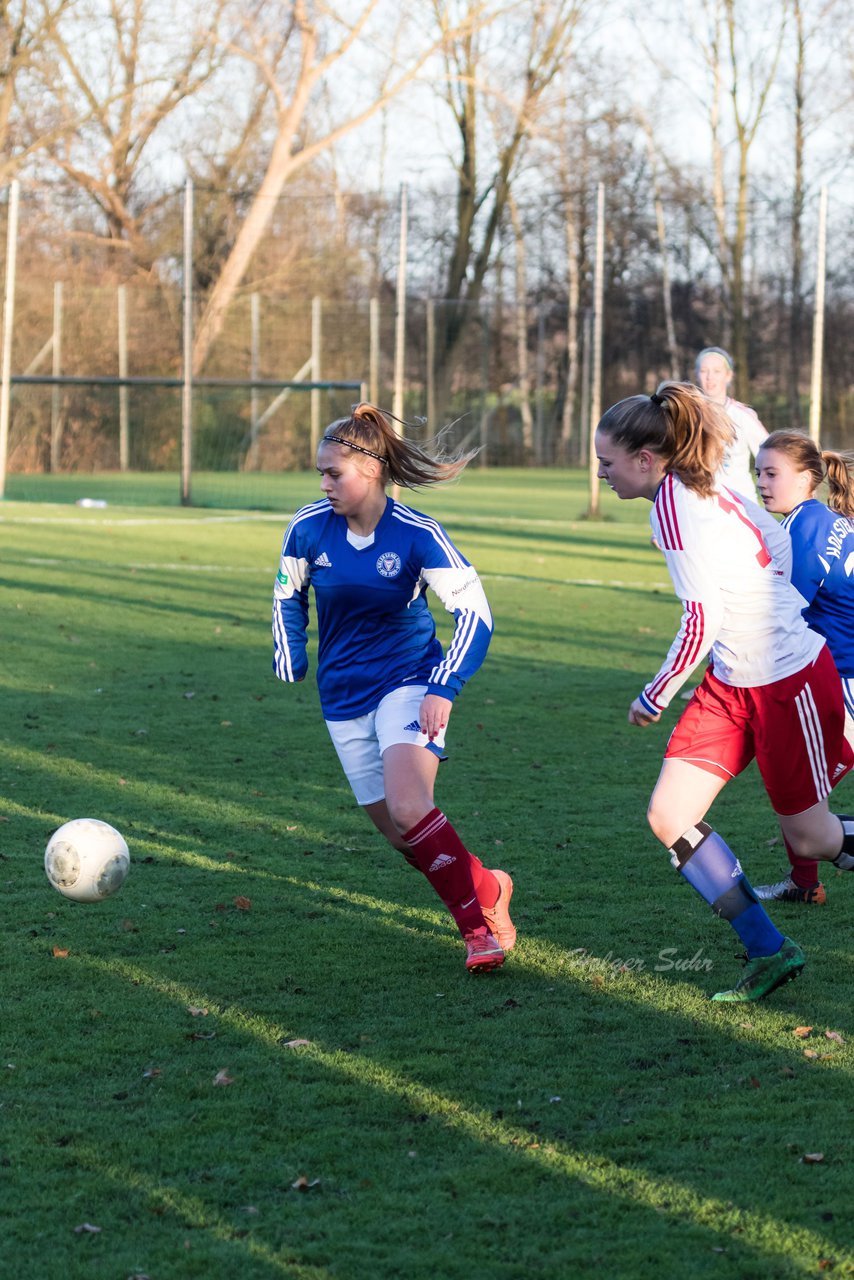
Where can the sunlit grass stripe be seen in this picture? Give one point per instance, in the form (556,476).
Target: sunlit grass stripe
(550,961)
(761,1232)
(194,1214)
(558,965)
(188,805)
(267,572)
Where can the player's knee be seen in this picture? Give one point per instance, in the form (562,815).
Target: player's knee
(661,824)
(818,838)
(406,811)
(802,847)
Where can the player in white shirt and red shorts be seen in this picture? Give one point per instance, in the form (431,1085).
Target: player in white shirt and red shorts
(771,691)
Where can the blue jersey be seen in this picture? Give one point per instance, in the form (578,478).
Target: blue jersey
(375,630)
(823,572)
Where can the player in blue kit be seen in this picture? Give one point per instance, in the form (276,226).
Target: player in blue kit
(386,686)
(790,467)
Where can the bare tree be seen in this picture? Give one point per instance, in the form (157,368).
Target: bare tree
(813,68)
(121,91)
(26,28)
(742,65)
(293,71)
(521,325)
(503,83)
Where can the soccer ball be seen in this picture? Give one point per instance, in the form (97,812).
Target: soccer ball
(86,860)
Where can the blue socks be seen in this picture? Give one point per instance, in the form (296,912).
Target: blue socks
(709,865)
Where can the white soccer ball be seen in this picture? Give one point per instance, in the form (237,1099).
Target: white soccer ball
(87,860)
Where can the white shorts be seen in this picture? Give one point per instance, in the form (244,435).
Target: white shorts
(360,743)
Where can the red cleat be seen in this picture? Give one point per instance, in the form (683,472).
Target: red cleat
(498,916)
(482,951)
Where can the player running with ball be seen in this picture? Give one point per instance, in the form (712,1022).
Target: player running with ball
(771,690)
(386,688)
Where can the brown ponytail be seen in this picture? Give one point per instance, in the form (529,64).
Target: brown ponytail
(840,481)
(370,430)
(678,422)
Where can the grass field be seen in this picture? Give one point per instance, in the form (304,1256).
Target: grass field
(263,1058)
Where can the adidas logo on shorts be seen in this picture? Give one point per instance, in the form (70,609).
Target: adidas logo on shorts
(443,860)
(412,727)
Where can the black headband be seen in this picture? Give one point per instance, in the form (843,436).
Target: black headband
(358,447)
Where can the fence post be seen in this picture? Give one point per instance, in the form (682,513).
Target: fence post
(254,368)
(8,323)
(374,352)
(316,361)
(586,344)
(187,388)
(124,392)
(596,379)
(400,313)
(431,366)
(818,321)
(56,423)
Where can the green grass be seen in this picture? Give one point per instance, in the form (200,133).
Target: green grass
(584,1111)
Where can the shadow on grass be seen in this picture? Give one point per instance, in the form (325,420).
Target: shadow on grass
(576,1150)
(567,1114)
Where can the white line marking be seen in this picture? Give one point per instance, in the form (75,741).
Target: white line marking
(166,566)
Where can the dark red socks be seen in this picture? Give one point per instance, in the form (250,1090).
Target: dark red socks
(460,879)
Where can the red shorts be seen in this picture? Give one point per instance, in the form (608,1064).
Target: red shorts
(795,728)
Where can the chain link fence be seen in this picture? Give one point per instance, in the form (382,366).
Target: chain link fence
(508,369)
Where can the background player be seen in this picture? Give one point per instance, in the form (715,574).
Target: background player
(790,467)
(713,371)
(771,690)
(386,688)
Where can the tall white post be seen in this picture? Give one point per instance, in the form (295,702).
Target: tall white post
(586,361)
(818,320)
(254,367)
(316,362)
(431,364)
(374,353)
(187,388)
(400,312)
(56,370)
(596,379)
(124,415)
(8,324)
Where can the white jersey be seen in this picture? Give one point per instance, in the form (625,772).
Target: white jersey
(737,468)
(730,563)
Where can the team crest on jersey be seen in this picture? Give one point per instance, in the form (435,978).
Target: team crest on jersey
(388,564)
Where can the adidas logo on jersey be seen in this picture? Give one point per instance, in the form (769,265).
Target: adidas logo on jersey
(443,860)
(412,727)
(323,561)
